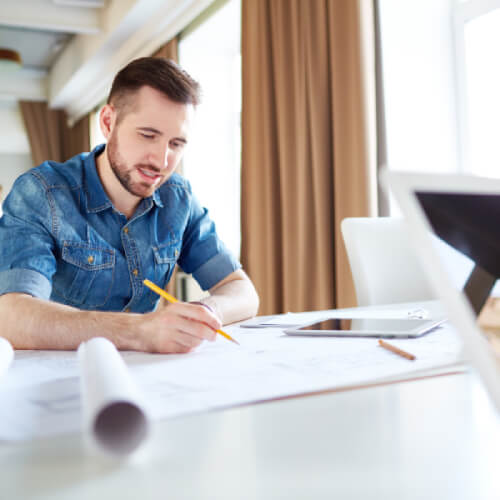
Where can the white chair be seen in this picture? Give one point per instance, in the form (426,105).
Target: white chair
(383,264)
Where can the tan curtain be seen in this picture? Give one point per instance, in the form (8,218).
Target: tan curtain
(76,139)
(49,135)
(307,147)
(169,51)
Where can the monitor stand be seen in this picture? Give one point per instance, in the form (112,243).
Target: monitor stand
(478,287)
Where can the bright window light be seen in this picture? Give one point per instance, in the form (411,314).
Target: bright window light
(419,85)
(482,74)
(211,53)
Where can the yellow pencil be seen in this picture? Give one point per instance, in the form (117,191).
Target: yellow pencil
(396,350)
(172,299)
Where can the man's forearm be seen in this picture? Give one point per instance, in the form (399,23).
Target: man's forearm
(31,323)
(234,300)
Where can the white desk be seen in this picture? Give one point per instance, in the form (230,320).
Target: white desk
(436,438)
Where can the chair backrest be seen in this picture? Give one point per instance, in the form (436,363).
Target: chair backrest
(383,264)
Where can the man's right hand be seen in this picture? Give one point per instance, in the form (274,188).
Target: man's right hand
(178,328)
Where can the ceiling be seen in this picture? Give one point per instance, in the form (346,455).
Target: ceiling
(41,29)
(38,48)
(71,49)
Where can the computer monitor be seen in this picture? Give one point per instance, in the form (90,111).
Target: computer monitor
(470,223)
(463,211)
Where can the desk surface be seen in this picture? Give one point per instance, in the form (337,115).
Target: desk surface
(437,438)
(434,438)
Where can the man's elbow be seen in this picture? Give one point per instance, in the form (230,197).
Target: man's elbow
(10,320)
(253,300)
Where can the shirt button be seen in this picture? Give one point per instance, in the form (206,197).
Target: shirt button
(177,253)
(135,272)
(127,310)
(125,230)
(90,259)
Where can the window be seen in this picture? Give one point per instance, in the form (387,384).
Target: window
(477,32)
(421,94)
(211,53)
(418,76)
(441,85)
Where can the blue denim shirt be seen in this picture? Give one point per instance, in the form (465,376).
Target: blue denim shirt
(61,238)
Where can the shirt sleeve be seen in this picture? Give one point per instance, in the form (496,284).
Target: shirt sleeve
(27,260)
(203,254)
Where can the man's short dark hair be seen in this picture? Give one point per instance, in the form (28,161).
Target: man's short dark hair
(159,73)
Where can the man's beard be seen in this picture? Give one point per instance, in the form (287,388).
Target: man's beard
(123,172)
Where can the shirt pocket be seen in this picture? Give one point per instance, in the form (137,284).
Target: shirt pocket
(165,257)
(86,274)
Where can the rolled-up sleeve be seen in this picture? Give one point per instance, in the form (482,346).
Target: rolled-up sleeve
(27,261)
(203,254)
(25,281)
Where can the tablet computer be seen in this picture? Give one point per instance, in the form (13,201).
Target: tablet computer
(366,327)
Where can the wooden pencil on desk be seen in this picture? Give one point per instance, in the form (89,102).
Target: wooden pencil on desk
(396,350)
(172,299)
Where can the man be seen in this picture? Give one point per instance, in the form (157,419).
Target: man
(77,239)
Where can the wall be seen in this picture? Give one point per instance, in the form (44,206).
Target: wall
(12,165)
(15,157)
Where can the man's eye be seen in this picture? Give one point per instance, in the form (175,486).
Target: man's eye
(147,136)
(177,145)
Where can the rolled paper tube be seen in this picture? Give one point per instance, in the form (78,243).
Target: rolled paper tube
(112,411)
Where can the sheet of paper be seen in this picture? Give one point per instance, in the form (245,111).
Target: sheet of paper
(113,415)
(40,394)
(6,355)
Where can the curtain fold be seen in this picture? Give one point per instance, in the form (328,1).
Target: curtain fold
(76,139)
(307,148)
(170,50)
(49,135)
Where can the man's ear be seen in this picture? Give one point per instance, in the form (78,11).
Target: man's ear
(107,120)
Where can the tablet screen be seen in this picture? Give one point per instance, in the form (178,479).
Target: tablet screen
(369,327)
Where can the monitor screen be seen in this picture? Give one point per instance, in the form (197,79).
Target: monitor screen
(469,223)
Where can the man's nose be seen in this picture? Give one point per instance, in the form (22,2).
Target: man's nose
(159,157)
(165,156)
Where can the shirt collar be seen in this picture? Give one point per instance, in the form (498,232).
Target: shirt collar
(157,198)
(97,199)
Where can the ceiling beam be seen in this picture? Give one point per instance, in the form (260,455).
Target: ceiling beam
(45,15)
(24,85)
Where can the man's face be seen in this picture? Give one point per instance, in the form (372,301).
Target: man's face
(147,143)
